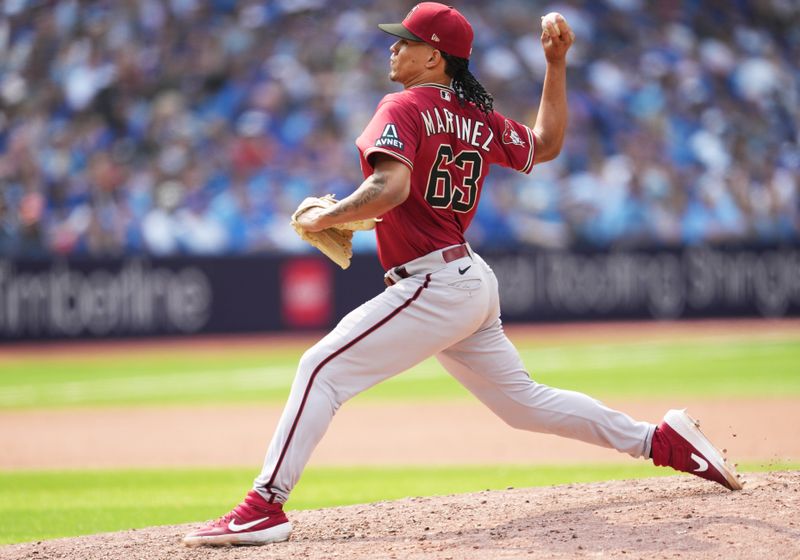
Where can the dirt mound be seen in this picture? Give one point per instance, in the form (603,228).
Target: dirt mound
(652,518)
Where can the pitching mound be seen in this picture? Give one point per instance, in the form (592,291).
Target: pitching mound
(653,518)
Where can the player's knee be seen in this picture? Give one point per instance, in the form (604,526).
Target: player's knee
(311,373)
(310,361)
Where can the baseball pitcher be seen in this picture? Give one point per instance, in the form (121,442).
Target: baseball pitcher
(425,155)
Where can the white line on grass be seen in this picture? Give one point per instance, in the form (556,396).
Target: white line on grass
(192,383)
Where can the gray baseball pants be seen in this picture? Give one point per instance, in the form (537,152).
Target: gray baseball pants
(450,310)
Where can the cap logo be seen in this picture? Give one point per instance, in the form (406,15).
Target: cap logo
(435,38)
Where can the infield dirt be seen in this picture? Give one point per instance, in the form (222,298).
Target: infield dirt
(675,517)
(760,431)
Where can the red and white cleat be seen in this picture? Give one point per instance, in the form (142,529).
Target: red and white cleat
(679,443)
(255,521)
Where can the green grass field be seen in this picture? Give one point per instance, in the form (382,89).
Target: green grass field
(85,502)
(714,367)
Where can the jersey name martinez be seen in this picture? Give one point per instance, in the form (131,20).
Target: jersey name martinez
(465,129)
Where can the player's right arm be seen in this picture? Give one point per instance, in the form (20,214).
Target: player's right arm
(551,120)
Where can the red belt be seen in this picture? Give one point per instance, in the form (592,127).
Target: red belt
(448,255)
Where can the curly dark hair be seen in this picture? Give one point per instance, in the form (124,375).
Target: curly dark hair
(466,86)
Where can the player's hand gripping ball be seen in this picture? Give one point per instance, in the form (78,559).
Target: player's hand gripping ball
(557,36)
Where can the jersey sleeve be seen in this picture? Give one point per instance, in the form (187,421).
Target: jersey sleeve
(393,130)
(516,143)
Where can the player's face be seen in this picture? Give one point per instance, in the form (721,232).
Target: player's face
(407,62)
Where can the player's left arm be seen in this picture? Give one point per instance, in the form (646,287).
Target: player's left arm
(387,187)
(551,120)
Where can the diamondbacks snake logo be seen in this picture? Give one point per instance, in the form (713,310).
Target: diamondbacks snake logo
(510,136)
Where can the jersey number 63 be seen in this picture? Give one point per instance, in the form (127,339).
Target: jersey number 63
(442,191)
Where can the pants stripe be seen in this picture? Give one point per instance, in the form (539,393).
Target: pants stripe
(316,371)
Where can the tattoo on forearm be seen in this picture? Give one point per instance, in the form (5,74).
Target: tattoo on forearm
(363,196)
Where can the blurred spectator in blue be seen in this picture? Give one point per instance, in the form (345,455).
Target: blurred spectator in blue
(171,127)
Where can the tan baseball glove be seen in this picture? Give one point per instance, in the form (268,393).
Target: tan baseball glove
(335,242)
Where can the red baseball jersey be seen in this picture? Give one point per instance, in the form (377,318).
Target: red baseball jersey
(448,148)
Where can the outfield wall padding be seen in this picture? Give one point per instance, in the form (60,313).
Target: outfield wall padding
(136,297)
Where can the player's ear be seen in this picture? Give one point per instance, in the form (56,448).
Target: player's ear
(434,58)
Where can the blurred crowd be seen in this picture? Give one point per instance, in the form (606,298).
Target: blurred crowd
(169,127)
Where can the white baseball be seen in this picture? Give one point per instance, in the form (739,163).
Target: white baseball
(553,19)
(550,19)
